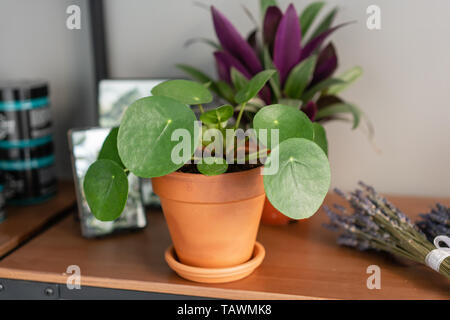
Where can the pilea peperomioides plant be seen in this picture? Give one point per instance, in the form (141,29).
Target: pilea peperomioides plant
(160,134)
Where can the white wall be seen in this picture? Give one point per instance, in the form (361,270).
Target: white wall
(35,43)
(405,88)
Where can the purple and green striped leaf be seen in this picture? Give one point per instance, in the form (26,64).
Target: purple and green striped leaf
(225,62)
(325,24)
(270,25)
(310,109)
(326,64)
(316,42)
(265,4)
(299,78)
(321,86)
(232,41)
(309,14)
(286,53)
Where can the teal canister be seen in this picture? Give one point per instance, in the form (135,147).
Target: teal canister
(26,142)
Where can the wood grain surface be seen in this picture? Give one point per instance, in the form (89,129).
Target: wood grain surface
(24,221)
(302,262)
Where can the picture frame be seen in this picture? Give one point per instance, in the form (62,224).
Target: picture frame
(114,96)
(85,144)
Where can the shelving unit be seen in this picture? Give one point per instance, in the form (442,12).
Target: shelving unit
(302,262)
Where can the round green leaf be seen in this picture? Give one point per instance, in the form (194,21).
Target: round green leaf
(106,189)
(217,115)
(251,89)
(109,148)
(145,136)
(320,137)
(184,91)
(300,184)
(212,166)
(291,123)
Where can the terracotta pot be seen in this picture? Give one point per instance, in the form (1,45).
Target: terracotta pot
(273,217)
(213,221)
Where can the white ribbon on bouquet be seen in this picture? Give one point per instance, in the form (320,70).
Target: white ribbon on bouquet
(435,257)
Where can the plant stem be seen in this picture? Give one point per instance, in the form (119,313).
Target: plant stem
(201,108)
(252,156)
(241,112)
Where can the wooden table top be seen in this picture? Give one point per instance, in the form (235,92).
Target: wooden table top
(24,221)
(302,262)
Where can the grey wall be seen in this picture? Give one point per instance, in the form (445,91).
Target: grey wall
(35,43)
(404,89)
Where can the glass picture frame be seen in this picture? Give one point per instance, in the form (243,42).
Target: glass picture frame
(114,96)
(85,144)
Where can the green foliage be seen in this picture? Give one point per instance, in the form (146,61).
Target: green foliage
(348,77)
(109,148)
(251,89)
(321,86)
(218,115)
(320,137)
(145,136)
(214,45)
(308,15)
(341,108)
(225,91)
(325,24)
(300,77)
(238,79)
(300,83)
(291,123)
(143,145)
(296,103)
(212,166)
(301,183)
(275,80)
(106,189)
(195,73)
(184,91)
(264,4)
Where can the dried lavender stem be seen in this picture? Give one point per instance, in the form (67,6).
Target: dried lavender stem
(378,224)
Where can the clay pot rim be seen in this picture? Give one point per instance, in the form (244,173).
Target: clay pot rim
(199,176)
(256,259)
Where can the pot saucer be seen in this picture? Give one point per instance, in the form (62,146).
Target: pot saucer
(215,275)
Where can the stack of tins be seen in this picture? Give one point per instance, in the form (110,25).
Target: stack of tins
(26,144)
(2,201)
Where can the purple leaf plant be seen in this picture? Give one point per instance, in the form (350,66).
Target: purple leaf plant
(278,44)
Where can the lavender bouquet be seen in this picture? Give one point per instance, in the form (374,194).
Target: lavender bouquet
(436,222)
(377,224)
(288,43)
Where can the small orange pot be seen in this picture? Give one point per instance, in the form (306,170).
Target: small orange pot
(273,217)
(213,221)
